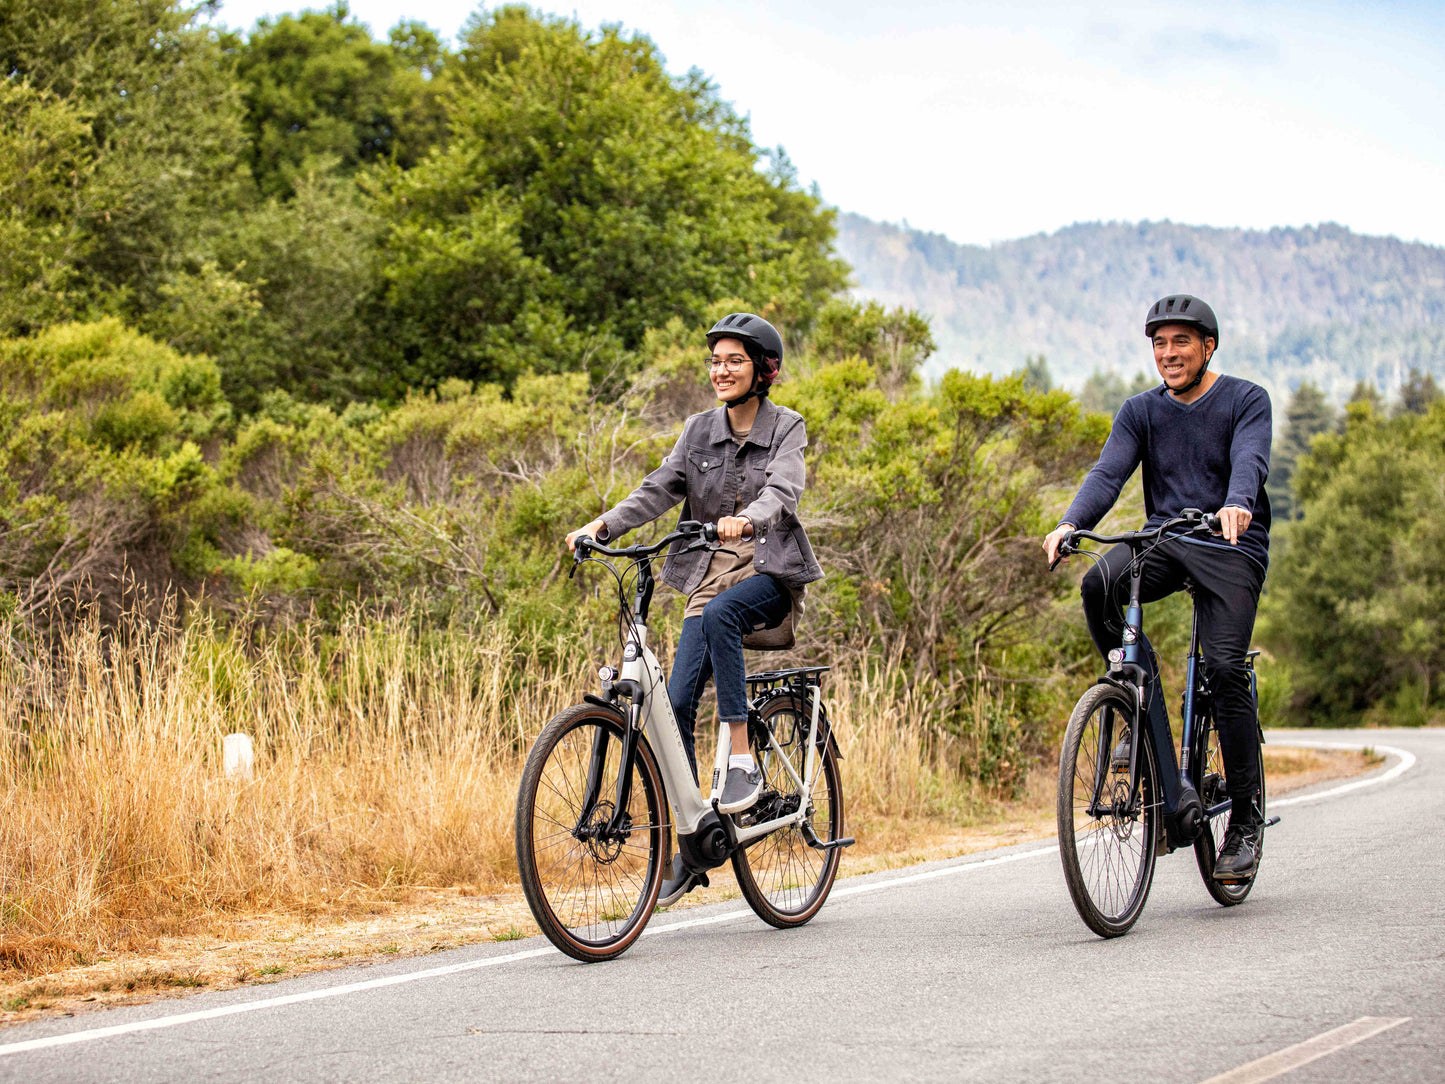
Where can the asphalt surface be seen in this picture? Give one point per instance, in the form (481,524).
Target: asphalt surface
(975,969)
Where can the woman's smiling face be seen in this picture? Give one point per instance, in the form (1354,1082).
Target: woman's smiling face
(731,371)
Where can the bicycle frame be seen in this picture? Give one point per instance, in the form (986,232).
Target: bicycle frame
(689,808)
(1127,672)
(649,712)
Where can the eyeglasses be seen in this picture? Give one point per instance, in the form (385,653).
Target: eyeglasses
(732,363)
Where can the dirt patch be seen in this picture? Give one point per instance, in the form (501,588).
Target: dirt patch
(221,952)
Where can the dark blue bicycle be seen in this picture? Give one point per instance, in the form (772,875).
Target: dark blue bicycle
(1111,815)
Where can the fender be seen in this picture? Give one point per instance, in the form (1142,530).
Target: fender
(825,733)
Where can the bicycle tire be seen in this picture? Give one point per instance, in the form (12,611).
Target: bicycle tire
(1209,779)
(591,896)
(1108,859)
(783,878)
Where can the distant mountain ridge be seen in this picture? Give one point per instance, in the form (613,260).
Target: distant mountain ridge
(1317,303)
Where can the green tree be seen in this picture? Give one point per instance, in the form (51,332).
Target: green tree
(101,468)
(321,94)
(282,299)
(1357,597)
(162,126)
(1368,396)
(583,197)
(895,342)
(1105,392)
(935,504)
(1307,415)
(45,157)
(1036,373)
(1418,393)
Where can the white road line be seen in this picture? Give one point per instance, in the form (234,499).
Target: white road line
(1292,1057)
(1407,760)
(267,1003)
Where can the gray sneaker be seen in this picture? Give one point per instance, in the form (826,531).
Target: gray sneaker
(741,790)
(679,883)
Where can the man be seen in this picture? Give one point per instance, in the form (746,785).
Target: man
(1203,440)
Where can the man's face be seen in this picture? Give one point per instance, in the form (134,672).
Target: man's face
(1179,354)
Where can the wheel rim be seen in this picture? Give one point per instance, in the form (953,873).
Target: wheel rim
(594,883)
(788,873)
(1113,842)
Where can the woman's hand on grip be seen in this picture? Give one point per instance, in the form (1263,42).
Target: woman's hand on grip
(596,529)
(734,528)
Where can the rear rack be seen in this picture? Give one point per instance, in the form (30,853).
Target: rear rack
(796,676)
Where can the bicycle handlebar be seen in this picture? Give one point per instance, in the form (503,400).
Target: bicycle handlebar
(705,533)
(1196,520)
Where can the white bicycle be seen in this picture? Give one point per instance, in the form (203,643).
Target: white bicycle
(593,826)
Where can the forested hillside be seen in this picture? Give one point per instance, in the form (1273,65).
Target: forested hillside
(1319,304)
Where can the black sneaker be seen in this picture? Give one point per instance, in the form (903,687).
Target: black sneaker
(1119,761)
(740,790)
(1239,857)
(680,883)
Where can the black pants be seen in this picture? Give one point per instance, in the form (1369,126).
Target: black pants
(1226,596)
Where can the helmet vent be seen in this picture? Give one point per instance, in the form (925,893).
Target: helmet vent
(1169,305)
(1184,305)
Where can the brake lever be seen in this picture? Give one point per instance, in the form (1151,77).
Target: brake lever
(1066,549)
(579,554)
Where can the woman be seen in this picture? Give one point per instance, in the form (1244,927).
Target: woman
(740,466)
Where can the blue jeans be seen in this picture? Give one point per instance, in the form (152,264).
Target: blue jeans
(711,646)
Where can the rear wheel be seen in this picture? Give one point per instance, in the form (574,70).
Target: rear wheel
(1107,835)
(1209,776)
(591,887)
(783,878)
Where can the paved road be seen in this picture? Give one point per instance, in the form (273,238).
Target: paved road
(976,969)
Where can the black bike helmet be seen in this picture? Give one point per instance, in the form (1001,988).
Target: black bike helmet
(1182,309)
(762,342)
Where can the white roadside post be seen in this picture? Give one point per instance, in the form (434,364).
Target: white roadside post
(239,755)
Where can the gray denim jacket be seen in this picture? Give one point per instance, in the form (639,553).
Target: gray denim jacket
(707,470)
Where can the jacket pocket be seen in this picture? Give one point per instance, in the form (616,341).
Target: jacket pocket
(704,483)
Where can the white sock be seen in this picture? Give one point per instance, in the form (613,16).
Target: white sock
(744,761)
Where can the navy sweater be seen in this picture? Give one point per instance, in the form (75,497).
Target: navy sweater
(1206,454)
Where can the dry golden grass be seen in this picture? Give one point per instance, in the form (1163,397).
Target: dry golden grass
(382,763)
(379,818)
(385,762)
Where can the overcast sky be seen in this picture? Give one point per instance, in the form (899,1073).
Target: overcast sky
(986,120)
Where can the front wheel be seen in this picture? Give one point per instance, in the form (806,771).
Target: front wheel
(784,879)
(1107,830)
(591,878)
(1210,762)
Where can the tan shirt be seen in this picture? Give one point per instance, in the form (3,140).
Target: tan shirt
(724,571)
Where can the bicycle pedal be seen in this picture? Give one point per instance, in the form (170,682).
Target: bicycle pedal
(1272,821)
